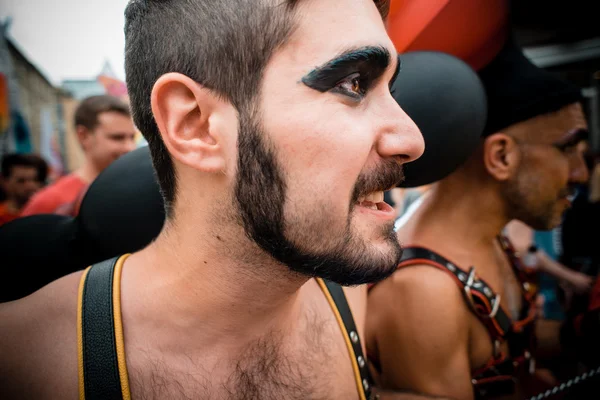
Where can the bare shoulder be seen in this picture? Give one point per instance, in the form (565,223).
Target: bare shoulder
(421,288)
(417,330)
(417,302)
(38,342)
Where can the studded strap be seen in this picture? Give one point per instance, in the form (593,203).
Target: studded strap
(482,300)
(359,362)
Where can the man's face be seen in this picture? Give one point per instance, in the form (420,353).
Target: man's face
(22,183)
(324,142)
(551,166)
(113,136)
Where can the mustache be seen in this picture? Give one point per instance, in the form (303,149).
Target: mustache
(387,175)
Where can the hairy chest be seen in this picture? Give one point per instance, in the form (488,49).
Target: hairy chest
(311,363)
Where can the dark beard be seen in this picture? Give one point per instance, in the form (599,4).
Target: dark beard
(520,206)
(260,193)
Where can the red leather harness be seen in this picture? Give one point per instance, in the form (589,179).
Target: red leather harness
(499,375)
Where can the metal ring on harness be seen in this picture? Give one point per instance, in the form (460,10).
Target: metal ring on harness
(467,289)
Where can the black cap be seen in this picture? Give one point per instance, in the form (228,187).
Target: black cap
(517,90)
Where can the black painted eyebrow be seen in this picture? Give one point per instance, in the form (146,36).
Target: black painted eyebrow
(370,61)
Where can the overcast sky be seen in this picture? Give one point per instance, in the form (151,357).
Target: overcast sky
(68,39)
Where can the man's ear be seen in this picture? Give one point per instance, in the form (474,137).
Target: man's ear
(501,156)
(183,110)
(84,136)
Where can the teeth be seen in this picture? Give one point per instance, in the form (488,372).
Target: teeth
(375,197)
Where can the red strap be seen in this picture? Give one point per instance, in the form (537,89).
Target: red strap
(477,299)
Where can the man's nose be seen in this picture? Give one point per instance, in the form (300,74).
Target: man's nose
(401,138)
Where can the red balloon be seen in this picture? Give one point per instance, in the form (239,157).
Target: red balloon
(472,30)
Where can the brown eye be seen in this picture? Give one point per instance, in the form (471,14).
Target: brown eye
(355,85)
(352,85)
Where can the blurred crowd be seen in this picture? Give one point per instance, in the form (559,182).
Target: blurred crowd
(105,132)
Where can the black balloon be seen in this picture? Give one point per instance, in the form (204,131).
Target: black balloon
(446,99)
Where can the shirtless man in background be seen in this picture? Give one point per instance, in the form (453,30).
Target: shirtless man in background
(457,318)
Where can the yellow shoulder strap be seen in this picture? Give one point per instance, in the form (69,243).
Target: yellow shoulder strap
(362,385)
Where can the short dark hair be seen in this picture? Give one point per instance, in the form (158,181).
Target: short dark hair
(12,160)
(88,110)
(223,45)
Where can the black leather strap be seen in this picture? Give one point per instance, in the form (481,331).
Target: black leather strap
(478,285)
(339,298)
(100,365)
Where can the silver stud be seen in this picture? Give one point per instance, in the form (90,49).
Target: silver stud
(477,284)
(366,384)
(487,292)
(451,267)
(354,337)
(462,276)
(361,361)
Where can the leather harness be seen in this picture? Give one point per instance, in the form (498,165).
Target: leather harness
(499,375)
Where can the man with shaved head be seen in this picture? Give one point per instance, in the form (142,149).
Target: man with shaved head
(458,317)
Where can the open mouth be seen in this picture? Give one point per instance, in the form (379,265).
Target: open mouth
(371,200)
(374,201)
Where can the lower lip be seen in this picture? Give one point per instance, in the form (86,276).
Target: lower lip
(384,211)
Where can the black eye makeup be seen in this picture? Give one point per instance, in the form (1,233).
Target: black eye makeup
(352,73)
